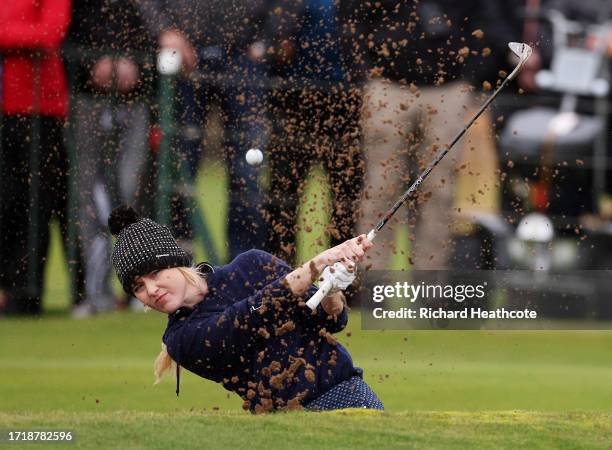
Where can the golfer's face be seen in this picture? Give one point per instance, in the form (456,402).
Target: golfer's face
(162,290)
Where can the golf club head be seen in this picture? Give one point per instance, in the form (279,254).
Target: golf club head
(523,52)
(520,49)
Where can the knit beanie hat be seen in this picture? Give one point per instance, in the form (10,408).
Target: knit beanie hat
(142,246)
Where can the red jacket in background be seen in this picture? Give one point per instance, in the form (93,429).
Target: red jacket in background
(27,28)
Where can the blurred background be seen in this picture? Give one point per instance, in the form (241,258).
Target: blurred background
(156,104)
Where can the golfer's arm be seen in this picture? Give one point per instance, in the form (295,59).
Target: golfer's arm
(301,278)
(335,301)
(298,282)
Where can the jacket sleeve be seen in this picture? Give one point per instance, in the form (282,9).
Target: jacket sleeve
(312,320)
(46,33)
(272,311)
(220,338)
(319,319)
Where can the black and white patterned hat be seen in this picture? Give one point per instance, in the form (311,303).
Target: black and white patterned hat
(142,246)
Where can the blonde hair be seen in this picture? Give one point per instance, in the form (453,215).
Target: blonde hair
(191,274)
(164,362)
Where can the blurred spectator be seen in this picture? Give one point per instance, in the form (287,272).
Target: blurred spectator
(588,12)
(112,50)
(421,58)
(223,47)
(526,21)
(33,165)
(520,24)
(315,116)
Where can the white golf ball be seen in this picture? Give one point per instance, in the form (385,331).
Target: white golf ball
(254,156)
(169,61)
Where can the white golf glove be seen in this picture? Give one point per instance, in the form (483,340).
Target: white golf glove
(338,277)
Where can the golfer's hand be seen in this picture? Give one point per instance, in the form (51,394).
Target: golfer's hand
(348,253)
(333,305)
(338,276)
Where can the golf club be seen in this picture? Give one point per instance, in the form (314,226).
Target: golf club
(523,52)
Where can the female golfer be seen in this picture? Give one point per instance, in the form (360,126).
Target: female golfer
(245,325)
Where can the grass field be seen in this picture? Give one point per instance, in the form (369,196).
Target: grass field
(441,389)
(349,429)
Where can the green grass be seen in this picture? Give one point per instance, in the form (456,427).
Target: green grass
(441,389)
(105,364)
(332,430)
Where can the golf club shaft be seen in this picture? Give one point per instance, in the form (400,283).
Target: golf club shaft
(325,287)
(442,154)
(413,188)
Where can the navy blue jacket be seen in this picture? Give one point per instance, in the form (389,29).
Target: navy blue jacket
(258,339)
